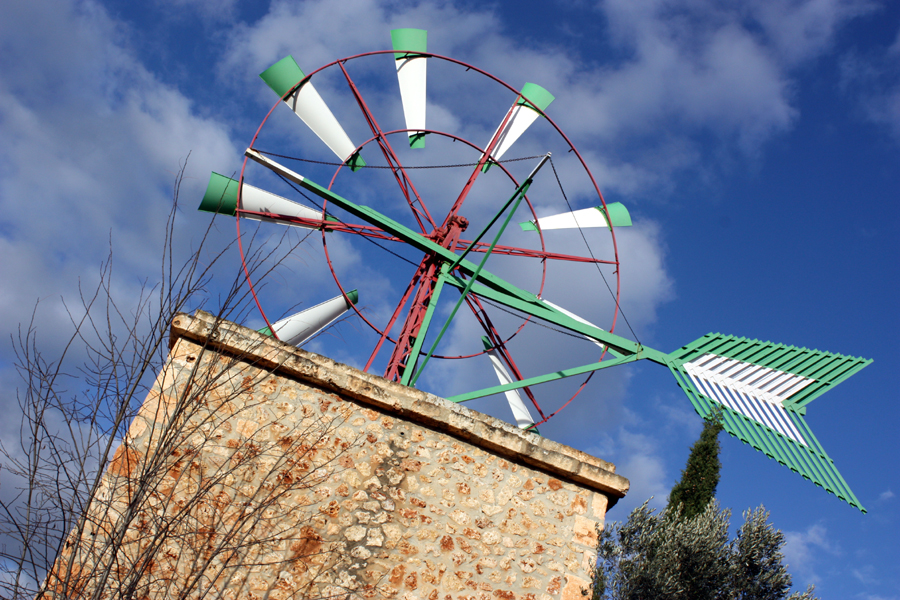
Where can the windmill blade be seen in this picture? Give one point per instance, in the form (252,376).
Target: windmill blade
(298,328)
(586,217)
(577,318)
(762,390)
(221,198)
(519,118)
(307,104)
(411,73)
(520,412)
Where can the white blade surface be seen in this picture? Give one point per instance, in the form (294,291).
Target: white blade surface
(587,217)
(577,318)
(298,328)
(411,73)
(259,200)
(312,110)
(520,119)
(519,410)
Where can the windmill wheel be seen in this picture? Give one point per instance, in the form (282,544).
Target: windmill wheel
(445,219)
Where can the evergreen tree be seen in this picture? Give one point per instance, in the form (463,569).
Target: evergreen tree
(758,571)
(700,476)
(664,556)
(684,552)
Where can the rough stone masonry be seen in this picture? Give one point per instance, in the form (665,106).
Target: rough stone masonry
(258,470)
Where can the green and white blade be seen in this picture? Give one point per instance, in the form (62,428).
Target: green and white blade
(412,76)
(305,101)
(586,217)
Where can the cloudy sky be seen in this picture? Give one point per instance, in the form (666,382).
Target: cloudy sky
(755,143)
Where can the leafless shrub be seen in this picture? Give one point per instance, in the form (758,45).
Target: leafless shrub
(141,475)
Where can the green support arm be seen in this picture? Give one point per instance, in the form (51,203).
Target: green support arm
(488,285)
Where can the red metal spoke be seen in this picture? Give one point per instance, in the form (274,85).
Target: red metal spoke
(481,162)
(406,294)
(400,356)
(500,345)
(391,157)
(516,251)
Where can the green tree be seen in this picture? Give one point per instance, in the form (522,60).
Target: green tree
(684,552)
(664,556)
(661,556)
(758,572)
(700,476)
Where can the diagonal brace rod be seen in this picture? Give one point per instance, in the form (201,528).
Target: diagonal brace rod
(498,389)
(489,286)
(514,201)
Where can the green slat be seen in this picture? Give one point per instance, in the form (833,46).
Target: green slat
(809,461)
(804,397)
(794,364)
(826,368)
(808,434)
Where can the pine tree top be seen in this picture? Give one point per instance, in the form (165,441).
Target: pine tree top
(697,487)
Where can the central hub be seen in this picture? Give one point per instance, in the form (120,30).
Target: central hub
(448,235)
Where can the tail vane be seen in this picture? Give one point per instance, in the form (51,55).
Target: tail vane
(762,390)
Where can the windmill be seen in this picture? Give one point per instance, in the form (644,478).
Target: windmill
(761,389)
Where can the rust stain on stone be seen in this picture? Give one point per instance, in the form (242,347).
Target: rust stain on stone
(411,465)
(124,461)
(397,573)
(308,545)
(411,581)
(579,505)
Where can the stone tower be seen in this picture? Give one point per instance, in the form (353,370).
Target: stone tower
(258,470)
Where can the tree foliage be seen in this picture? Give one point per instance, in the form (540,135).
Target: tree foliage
(665,556)
(684,552)
(700,476)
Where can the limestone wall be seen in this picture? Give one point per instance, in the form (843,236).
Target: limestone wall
(257,470)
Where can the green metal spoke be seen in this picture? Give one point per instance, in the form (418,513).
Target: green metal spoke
(488,285)
(413,357)
(498,389)
(514,202)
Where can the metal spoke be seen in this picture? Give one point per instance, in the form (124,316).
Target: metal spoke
(390,156)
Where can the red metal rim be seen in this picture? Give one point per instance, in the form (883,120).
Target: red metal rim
(571,146)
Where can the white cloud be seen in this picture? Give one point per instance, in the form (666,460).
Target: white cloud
(872,79)
(802,551)
(801,31)
(885,495)
(92,142)
(214,10)
(865,575)
(642,462)
(694,69)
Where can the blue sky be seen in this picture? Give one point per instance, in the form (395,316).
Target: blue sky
(756,144)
